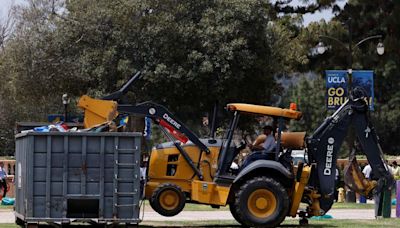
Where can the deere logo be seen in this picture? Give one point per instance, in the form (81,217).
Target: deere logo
(329,155)
(171,121)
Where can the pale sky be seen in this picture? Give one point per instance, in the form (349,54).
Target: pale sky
(4,6)
(308,18)
(327,15)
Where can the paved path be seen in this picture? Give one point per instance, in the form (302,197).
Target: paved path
(8,216)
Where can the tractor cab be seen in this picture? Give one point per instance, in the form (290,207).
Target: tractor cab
(285,141)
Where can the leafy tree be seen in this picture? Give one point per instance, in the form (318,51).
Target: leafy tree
(309,95)
(192,53)
(368,18)
(371,18)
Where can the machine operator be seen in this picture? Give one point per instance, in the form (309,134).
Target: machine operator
(266,141)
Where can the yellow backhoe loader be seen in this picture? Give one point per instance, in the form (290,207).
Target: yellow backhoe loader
(266,188)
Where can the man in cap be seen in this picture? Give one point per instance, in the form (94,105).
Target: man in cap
(265,141)
(396,170)
(262,147)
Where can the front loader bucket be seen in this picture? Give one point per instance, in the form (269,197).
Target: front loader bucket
(97,111)
(355,179)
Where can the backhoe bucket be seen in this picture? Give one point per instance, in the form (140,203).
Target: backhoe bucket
(97,111)
(355,179)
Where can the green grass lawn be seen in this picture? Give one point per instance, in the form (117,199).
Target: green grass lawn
(4,207)
(8,226)
(353,206)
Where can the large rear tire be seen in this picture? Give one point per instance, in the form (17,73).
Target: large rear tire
(168,200)
(261,202)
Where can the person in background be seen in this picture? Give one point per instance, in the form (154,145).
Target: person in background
(389,166)
(204,130)
(396,170)
(3,179)
(337,180)
(143,176)
(367,171)
(369,175)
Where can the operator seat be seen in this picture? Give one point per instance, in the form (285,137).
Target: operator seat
(258,155)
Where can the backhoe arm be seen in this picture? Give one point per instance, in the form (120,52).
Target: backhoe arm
(325,143)
(162,116)
(370,145)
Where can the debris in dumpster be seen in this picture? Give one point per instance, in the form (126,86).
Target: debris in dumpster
(123,121)
(108,126)
(61,127)
(41,129)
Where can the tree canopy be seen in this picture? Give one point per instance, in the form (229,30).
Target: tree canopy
(368,18)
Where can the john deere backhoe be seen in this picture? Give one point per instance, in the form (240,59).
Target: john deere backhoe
(267,189)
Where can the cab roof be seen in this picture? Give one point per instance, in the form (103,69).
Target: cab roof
(265,110)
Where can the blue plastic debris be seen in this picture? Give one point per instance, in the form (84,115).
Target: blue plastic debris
(41,129)
(322,217)
(7,201)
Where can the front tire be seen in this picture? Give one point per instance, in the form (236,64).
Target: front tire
(168,200)
(261,202)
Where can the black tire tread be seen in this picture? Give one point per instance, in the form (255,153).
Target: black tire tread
(232,208)
(154,200)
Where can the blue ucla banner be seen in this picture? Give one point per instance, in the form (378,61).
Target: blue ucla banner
(365,80)
(337,85)
(336,88)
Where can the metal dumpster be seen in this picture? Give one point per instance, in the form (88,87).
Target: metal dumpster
(75,176)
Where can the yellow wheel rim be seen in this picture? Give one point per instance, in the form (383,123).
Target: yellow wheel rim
(169,199)
(261,203)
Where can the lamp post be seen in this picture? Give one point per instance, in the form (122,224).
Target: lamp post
(321,48)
